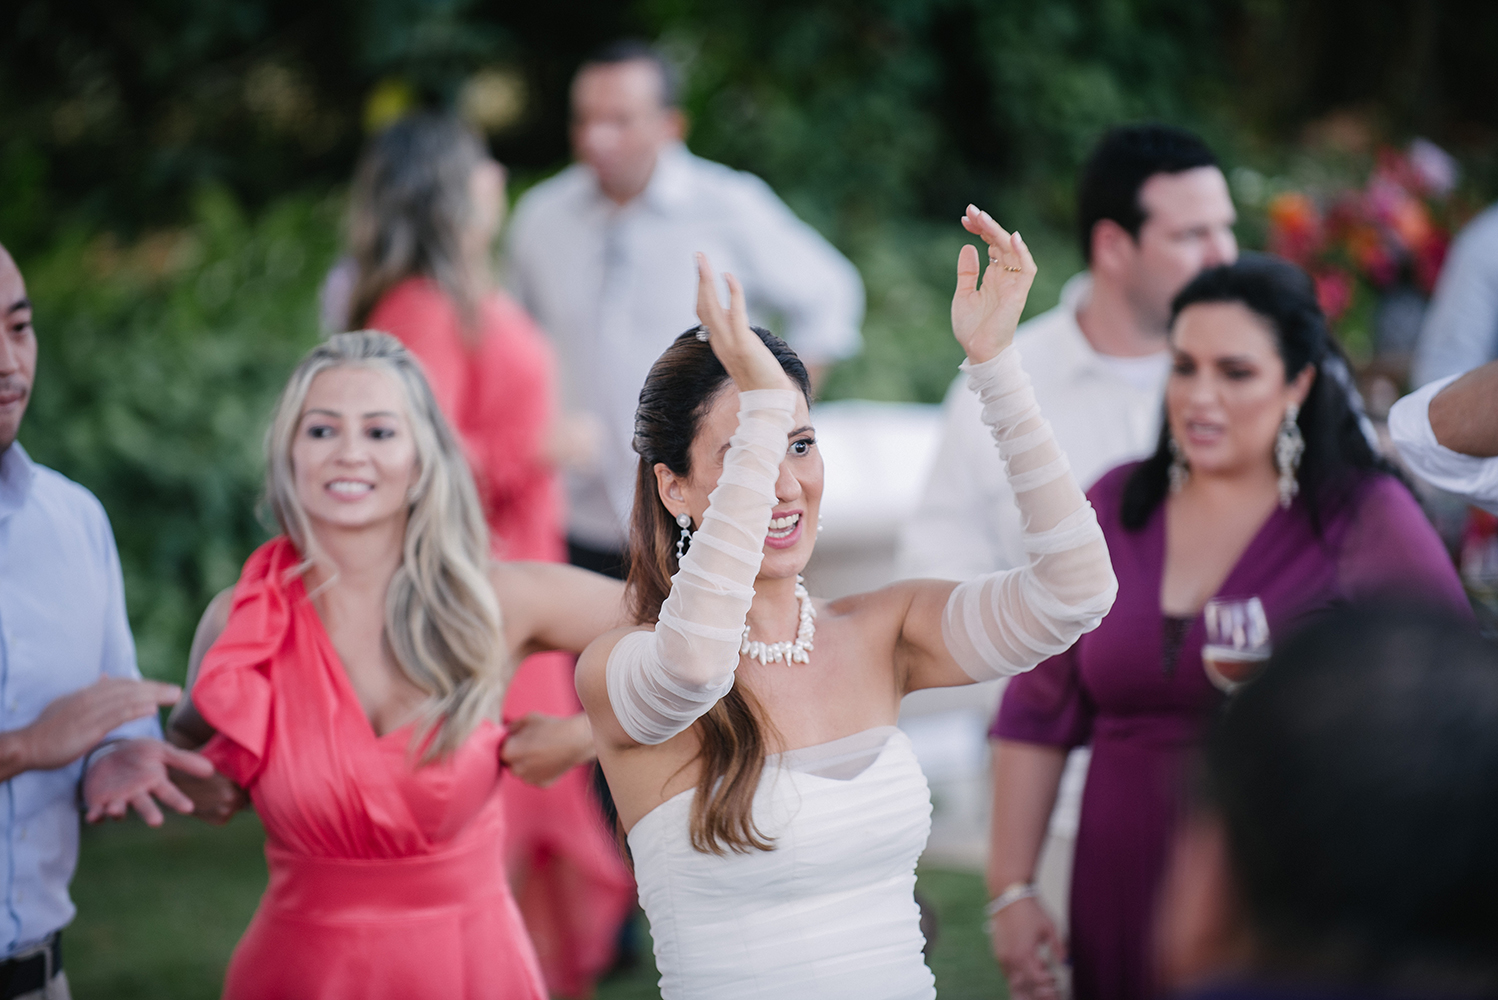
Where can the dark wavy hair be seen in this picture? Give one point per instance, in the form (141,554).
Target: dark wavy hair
(680,389)
(1337,455)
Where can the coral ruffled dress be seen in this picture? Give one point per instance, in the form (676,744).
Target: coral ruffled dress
(387,880)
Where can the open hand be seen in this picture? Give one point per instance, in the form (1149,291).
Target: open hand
(984,320)
(748,361)
(541,748)
(134,775)
(74,724)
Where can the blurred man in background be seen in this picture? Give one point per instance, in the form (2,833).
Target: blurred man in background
(72,703)
(1153,210)
(601,256)
(1343,844)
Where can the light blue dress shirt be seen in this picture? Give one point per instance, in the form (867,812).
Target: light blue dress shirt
(62,626)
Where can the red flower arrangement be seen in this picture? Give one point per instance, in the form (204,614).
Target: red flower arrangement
(1395,229)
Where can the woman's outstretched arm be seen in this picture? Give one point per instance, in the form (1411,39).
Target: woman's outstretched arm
(646,686)
(1006,622)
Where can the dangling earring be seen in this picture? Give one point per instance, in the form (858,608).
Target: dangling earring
(1289,445)
(684,520)
(820,525)
(1179,471)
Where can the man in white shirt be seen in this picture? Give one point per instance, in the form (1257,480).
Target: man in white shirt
(601,255)
(1447,431)
(1153,210)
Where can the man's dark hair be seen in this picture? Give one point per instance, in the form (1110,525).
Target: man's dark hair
(1120,163)
(627,50)
(1358,783)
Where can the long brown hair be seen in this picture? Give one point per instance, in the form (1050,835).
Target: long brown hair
(681,387)
(408,210)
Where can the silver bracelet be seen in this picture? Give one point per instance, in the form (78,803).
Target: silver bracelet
(1011,895)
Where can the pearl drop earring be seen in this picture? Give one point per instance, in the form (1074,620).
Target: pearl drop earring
(684,521)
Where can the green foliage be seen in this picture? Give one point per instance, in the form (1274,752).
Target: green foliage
(159,363)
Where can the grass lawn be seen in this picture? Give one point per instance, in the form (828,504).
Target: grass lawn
(159,912)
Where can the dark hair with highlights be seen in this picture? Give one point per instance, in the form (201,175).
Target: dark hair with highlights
(680,389)
(1338,456)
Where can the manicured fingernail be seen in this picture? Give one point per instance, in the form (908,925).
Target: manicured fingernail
(1017,237)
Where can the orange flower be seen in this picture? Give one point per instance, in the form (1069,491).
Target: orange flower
(1295,230)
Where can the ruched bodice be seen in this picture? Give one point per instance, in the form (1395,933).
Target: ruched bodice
(829,913)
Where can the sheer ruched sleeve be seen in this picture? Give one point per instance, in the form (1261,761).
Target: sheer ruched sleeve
(233,689)
(660,682)
(1007,622)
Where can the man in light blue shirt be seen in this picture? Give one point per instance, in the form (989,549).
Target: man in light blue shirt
(73,709)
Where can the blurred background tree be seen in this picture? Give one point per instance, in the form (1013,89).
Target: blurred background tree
(173,172)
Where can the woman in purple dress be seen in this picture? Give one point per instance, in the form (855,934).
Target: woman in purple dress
(1263,485)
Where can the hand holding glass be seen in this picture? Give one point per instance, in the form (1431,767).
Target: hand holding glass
(1237,641)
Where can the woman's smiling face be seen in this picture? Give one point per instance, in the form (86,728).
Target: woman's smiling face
(354,456)
(1227,392)
(798,489)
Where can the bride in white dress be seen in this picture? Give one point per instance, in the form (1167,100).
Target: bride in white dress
(774,812)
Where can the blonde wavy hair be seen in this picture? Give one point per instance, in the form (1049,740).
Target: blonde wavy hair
(442,620)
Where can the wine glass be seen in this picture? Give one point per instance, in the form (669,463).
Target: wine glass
(1237,641)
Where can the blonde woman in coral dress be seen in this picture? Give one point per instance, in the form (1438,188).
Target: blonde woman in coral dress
(354,693)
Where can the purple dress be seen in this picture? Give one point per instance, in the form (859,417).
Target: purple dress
(1143,710)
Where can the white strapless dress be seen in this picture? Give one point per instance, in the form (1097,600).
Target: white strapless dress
(830,913)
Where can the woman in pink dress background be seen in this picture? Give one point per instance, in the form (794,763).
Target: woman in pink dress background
(426,206)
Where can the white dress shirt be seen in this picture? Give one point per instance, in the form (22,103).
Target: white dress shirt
(62,627)
(614,285)
(1475,479)
(1104,413)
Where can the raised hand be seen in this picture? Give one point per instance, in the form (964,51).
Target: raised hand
(134,775)
(983,320)
(748,361)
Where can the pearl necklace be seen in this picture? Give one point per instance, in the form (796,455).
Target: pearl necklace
(790,652)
